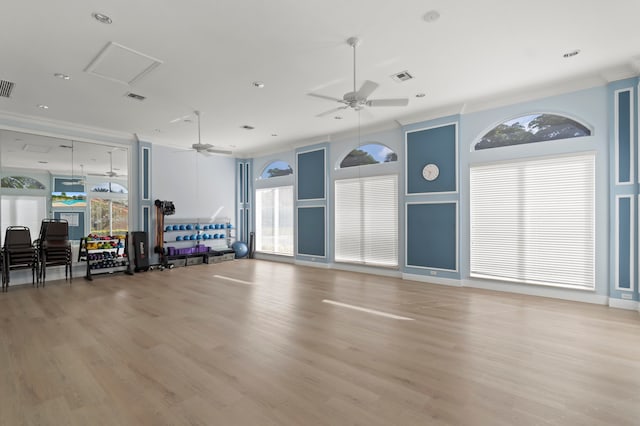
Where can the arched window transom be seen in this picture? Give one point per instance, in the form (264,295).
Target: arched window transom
(276,169)
(373,153)
(532,128)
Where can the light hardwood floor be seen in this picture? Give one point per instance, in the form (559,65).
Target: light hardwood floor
(183,347)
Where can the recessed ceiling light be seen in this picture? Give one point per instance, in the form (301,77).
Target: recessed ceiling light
(258,84)
(43,106)
(247,127)
(274,134)
(102,18)
(571,54)
(157,130)
(43,162)
(431,16)
(62,76)
(421,95)
(337,117)
(66,146)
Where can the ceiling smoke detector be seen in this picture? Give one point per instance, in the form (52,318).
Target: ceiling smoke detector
(402,76)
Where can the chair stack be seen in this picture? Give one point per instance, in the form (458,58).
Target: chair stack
(18,252)
(54,248)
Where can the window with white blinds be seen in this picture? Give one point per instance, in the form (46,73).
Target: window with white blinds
(23,210)
(533,221)
(366,212)
(274,220)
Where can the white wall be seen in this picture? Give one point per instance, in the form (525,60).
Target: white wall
(201,187)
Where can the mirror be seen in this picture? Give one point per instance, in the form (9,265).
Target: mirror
(46,177)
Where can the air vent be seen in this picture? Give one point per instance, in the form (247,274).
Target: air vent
(402,76)
(6,87)
(136,96)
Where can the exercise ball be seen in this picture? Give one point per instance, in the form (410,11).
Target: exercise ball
(178,238)
(168,228)
(240,248)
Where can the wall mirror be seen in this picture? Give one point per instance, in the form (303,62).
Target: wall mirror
(47,177)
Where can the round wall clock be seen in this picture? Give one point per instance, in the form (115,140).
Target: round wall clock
(430,172)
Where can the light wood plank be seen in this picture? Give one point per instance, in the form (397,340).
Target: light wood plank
(184,347)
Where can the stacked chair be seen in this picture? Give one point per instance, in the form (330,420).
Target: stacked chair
(54,248)
(18,253)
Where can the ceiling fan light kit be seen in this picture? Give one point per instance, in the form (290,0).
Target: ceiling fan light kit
(359,99)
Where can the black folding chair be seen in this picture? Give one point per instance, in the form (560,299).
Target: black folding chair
(18,253)
(54,248)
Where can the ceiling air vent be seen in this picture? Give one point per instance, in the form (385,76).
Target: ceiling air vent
(402,76)
(6,87)
(136,96)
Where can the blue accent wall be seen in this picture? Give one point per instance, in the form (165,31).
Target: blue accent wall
(624,136)
(75,232)
(311,175)
(146,174)
(311,231)
(625,258)
(431,239)
(438,146)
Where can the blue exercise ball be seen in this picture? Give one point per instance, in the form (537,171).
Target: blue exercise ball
(240,248)
(168,228)
(178,238)
(176,227)
(182,228)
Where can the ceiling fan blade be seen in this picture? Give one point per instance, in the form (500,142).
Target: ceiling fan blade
(331,111)
(329,98)
(96,174)
(367,88)
(201,146)
(388,102)
(219,151)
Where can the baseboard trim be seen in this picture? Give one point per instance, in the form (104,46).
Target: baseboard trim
(311,264)
(433,280)
(393,273)
(631,305)
(274,258)
(529,290)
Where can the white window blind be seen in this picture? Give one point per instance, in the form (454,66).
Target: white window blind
(533,221)
(366,212)
(274,220)
(22,210)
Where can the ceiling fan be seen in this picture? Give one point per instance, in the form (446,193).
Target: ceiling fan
(110,173)
(359,99)
(206,148)
(73,180)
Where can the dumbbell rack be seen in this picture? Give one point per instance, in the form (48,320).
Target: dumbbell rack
(105,260)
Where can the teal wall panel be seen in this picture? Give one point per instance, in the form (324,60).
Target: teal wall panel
(311,231)
(625,257)
(432,235)
(311,175)
(435,145)
(624,136)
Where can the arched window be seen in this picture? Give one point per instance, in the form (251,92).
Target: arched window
(275,169)
(531,128)
(372,153)
(112,187)
(21,182)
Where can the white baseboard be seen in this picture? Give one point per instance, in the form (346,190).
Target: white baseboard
(574,295)
(312,264)
(385,272)
(274,257)
(631,305)
(432,280)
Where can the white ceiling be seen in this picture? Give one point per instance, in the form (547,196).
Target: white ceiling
(212,51)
